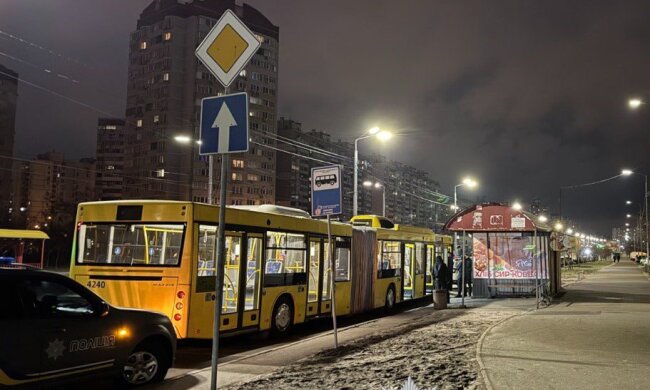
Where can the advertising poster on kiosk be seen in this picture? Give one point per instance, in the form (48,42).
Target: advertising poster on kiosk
(509,256)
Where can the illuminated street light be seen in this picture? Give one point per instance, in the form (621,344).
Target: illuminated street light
(626,172)
(559,226)
(381,135)
(183,139)
(367,183)
(627,224)
(542,218)
(378,185)
(569,231)
(628,202)
(628,216)
(469,182)
(634,103)
(517,206)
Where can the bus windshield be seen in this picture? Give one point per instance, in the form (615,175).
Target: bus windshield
(136,244)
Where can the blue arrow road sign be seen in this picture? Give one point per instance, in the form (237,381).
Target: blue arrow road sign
(224,124)
(326,191)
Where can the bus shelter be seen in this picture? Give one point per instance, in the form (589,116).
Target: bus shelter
(22,246)
(511,250)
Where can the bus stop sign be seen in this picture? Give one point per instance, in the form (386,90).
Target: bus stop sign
(326,195)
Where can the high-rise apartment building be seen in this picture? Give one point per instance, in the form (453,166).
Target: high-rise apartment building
(166,83)
(8,98)
(111,142)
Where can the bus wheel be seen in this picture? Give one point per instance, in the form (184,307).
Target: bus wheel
(390,299)
(282,317)
(148,363)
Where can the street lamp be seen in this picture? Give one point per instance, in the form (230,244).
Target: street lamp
(381,135)
(378,185)
(569,231)
(634,103)
(559,226)
(628,172)
(628,202)
(186,139)
(517,206)
(628,215)
(467,182)
(542,218)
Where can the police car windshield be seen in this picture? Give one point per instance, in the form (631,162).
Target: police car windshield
(136,244)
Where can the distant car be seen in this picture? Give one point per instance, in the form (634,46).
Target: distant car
(54,330)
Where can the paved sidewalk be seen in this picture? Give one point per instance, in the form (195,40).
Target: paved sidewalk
(596,337)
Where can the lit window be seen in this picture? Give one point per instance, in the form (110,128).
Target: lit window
(236,176)
(110,127)
(243,73)
(143,45)
(168,36)
(252,177)
(238,163)
(166,77)
(156,118)
(110,167)
(139,123)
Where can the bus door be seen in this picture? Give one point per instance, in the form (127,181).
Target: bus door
(202,305)
(249,297)
(418,270)
(429,270)
(409,271)
(326,293)
(314,276)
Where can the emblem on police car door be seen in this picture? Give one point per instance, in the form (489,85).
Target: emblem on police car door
(55,349)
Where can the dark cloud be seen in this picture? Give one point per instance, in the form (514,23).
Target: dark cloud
(526,95)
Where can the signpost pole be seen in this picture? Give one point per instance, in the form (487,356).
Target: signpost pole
(332,275)
(210,173)
(221,264)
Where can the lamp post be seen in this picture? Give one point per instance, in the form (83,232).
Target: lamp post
(373,132)
(377,185)
(185,139)
(628,172)
(469,183)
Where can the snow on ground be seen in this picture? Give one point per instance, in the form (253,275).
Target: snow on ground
(436,350)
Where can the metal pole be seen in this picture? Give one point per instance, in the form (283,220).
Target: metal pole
(210,185)
(220,263)
(455,249)
(383,201)
(332,285)
(647,241)
(536,266)
(355,195)
(462,276)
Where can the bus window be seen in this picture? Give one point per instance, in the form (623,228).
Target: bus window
(389,259)
(134,244)
(231,274)
(253,273)
(285,259)
(207,252)
(419,258)
(342,259)
(325,288)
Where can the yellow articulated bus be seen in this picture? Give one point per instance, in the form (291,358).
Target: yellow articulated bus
(160,255)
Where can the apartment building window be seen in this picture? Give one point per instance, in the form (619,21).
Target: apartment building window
(236,176)
(165,76)
(243,73)
(138,123)
(156,118)
(143,45)
(252,177)
(167,36)
(238,163)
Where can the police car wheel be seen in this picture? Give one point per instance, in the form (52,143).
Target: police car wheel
(146,364)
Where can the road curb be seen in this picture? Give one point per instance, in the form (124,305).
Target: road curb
(479,345)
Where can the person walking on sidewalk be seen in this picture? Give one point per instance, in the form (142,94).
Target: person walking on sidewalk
(440,273)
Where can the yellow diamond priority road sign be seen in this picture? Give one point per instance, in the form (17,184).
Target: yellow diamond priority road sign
(227,48)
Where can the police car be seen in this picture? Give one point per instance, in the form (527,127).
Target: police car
(53,330)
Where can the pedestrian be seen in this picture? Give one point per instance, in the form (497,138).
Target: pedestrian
(464,270)
(440,273)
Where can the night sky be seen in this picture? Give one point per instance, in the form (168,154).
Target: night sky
(523,95)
